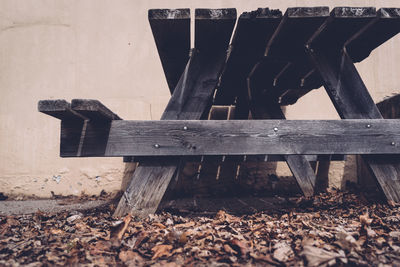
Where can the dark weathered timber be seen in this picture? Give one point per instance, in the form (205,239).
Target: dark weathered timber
(379,30)
(72,125)
(298,164)
(261,80)
(297,25)
(251,35)
(342,24)
(312,80)
(213,29)
(252,137)
(60,109)
(345,87)
(352,101)
(94,110)
(191,100)
(288,45)
(253,158)
(171,32)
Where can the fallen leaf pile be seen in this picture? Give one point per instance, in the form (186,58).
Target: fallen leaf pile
(328,230)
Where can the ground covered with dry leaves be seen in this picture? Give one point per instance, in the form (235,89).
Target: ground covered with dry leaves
(332,229)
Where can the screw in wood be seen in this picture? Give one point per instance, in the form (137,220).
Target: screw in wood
(393,143)
(185,128)
(368,126)
(275,129)
(157,146)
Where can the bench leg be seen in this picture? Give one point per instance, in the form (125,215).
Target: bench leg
(191,100)
(353,101)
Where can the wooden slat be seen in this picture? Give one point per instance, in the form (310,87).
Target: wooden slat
(253,158)
(261,81)
(72,125)
(252,137)
(93,110)
(60,109)
(213,29)
(352,100)
(191,100)
(288,45)
(171,32)
(251,35)
(297,25)
(342,24)
(382,28)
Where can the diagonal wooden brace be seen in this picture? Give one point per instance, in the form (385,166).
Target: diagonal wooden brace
(191,99)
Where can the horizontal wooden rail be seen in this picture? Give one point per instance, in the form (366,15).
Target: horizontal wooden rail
(248,137)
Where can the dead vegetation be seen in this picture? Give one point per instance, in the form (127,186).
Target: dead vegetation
(333,229)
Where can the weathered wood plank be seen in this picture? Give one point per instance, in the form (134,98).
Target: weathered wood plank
(288,45)
(191,100)
(252,137)
(352,100)
(254,158)
(251,35)
(72,125)
(297,25)
(60,109)
(342,24)
(379,30)
(94,110)
(171,32)
(213,29)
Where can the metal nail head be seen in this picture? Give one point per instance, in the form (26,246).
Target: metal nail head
(157,146)
(185,128)
(368,125)
(275,129)
(393,143)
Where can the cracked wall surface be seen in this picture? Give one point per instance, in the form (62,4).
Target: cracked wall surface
(105,50)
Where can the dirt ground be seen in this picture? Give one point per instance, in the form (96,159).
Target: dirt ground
(332,229)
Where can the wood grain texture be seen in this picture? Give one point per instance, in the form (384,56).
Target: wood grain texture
(352,101)
(298,164)
(191,99)
(385,26)
(94,110)
(342,24)
(252,137)
(251,35)
(60,109)
(297,25)
(171,32)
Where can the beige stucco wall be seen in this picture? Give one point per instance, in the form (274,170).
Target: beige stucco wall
(104,50)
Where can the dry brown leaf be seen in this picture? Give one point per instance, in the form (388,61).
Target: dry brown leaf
(242,247)
(321,257)
(229,249)
(128,255)
(185,225)
(56,231)
(159,225)
(161,251)
(365,219)
(283,252)
(183,239)
(266,258)
(119,231)
(142,237)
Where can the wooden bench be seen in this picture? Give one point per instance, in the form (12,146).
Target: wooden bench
(272,61)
